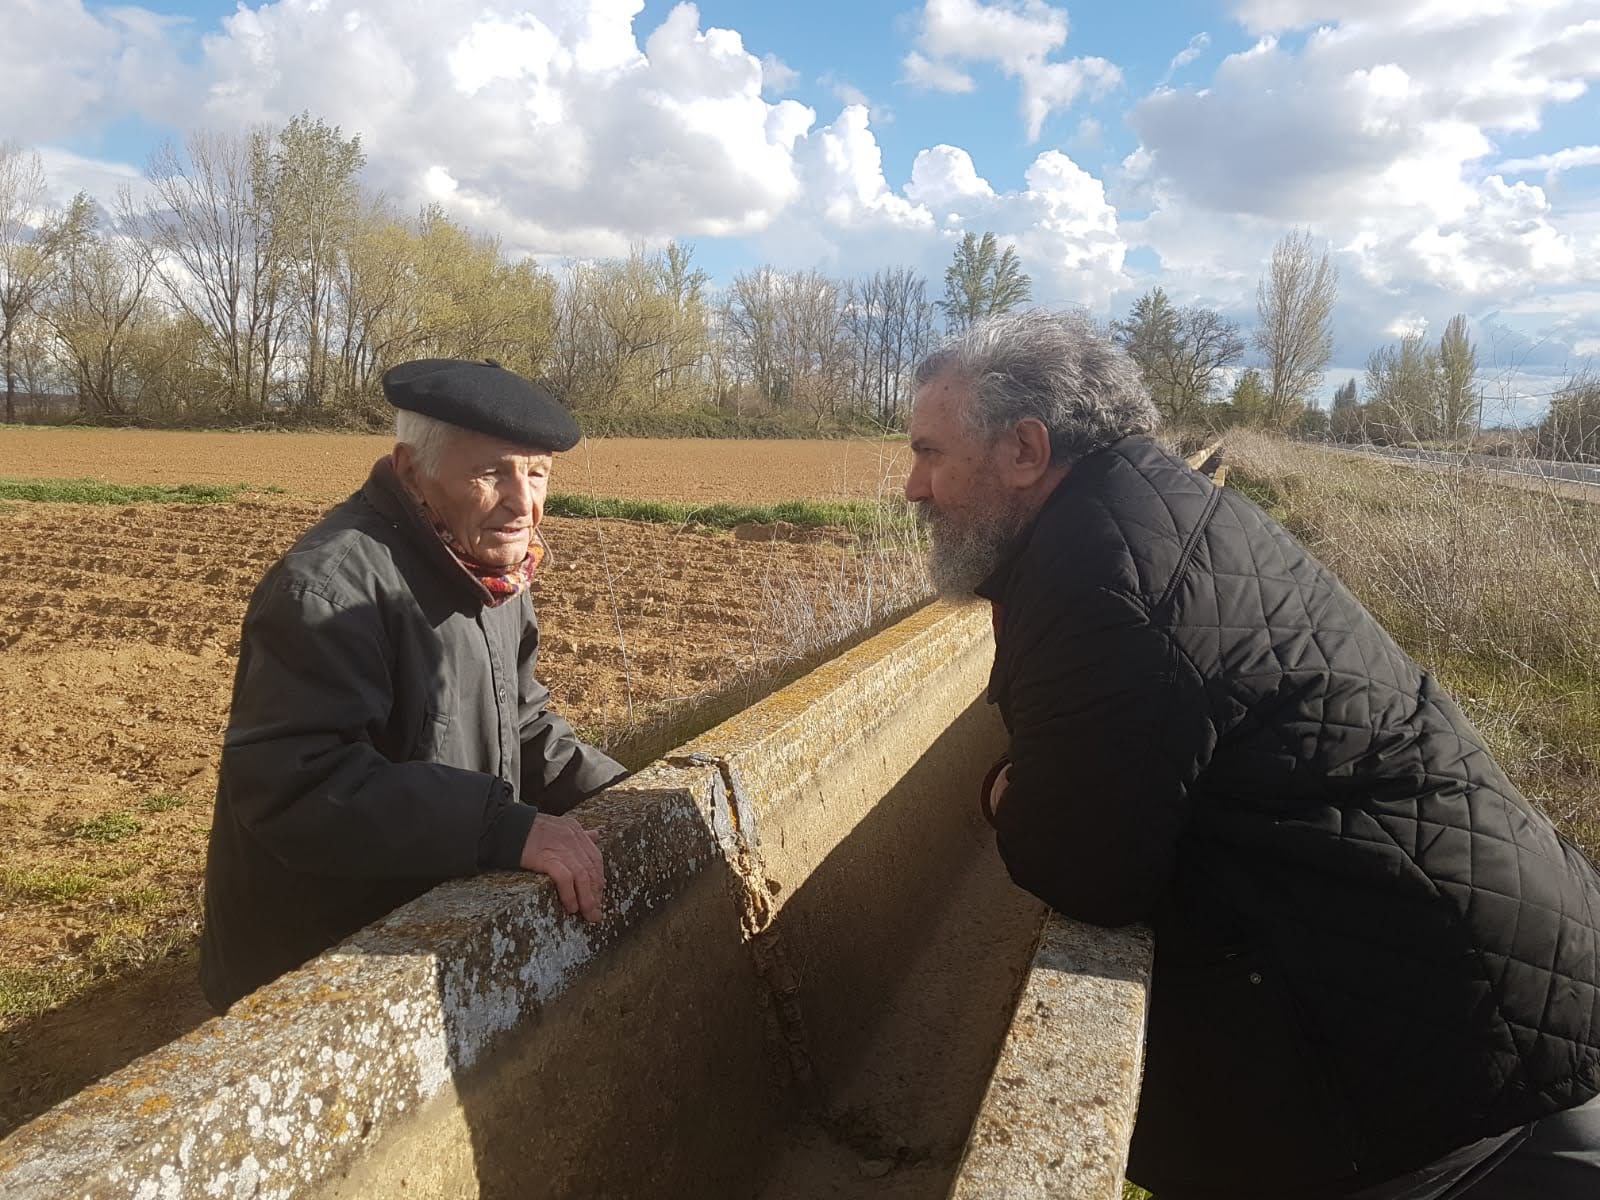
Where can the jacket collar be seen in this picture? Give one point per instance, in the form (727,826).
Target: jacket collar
(998,583)
(384,491)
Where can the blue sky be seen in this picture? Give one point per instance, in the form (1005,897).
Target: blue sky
(1447,151)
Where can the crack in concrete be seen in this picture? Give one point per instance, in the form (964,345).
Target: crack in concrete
(734,823)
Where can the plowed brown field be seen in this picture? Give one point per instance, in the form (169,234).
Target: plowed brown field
(329,466)
(118,639)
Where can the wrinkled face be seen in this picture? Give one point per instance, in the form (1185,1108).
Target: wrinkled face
(490,494)
(956,483)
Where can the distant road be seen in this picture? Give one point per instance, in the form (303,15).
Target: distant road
(1536,467)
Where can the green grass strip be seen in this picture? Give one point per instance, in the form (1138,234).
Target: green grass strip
(803,514)
(93,491)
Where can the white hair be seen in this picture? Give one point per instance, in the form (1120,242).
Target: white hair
(425,435)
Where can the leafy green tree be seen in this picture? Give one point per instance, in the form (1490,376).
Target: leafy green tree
(313,197)
(1459,403)
(1570,430)
(1250,399)
(1345,419)
(1150,336)
(1181,352)
(1402,391)
(1312,422)
(982,281)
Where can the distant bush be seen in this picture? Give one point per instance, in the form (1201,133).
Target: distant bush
(856,515)
(1570,431)
(715,423)
(93,491)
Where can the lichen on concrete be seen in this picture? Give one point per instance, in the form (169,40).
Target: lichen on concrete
(300,1077)
(1059,1113)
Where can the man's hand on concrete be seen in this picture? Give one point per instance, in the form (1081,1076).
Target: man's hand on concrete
(564,850)
(1001,783)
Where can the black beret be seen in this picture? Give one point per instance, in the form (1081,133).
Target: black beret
(483,396)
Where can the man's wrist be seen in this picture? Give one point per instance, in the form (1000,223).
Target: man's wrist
(506,832)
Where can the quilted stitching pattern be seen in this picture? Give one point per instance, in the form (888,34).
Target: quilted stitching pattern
(1438,937)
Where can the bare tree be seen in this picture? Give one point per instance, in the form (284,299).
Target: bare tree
(631,333)
(889,326)
(1294,303)
(1181,352)
(816,354)
(753,316)
(208,233)
(27,258)
(96,310)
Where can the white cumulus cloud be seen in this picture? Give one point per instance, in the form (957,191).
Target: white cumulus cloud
(921,71)
(567,129)
(1197,46)
(1016,36)
(777,76)
(1569,159)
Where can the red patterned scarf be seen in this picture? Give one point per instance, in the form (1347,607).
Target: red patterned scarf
(502,583)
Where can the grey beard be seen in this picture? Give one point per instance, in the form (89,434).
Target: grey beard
(966,547)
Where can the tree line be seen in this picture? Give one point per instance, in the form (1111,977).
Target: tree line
(255,280)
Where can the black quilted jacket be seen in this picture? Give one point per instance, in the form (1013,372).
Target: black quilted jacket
(1370,949)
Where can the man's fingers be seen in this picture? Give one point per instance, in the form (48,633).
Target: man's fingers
(596,865)
(561,876)
(589,889)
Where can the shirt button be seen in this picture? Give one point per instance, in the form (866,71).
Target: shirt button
(500,694)
(1255,977)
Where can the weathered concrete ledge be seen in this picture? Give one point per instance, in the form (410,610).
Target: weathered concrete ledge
(307,1073)
(1058,1116)
(763,880)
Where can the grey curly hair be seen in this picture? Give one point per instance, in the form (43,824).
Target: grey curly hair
(1057,367)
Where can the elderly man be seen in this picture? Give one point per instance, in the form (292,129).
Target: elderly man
(1377,967)
(387,730)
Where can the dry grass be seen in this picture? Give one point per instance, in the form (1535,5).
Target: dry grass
(1494,588)
(796,623)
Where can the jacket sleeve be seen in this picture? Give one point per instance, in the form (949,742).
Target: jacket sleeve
(1109,727)
(300,762)
(558,770)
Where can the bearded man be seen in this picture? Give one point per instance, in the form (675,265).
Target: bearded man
(387,730)
(1376,964)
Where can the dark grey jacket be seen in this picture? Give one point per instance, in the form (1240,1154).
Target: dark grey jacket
(1370,949)
(387,733)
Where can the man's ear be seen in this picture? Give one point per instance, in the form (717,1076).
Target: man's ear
(1030,451)
(405,467)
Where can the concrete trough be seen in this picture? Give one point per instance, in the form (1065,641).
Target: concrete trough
(808,974)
